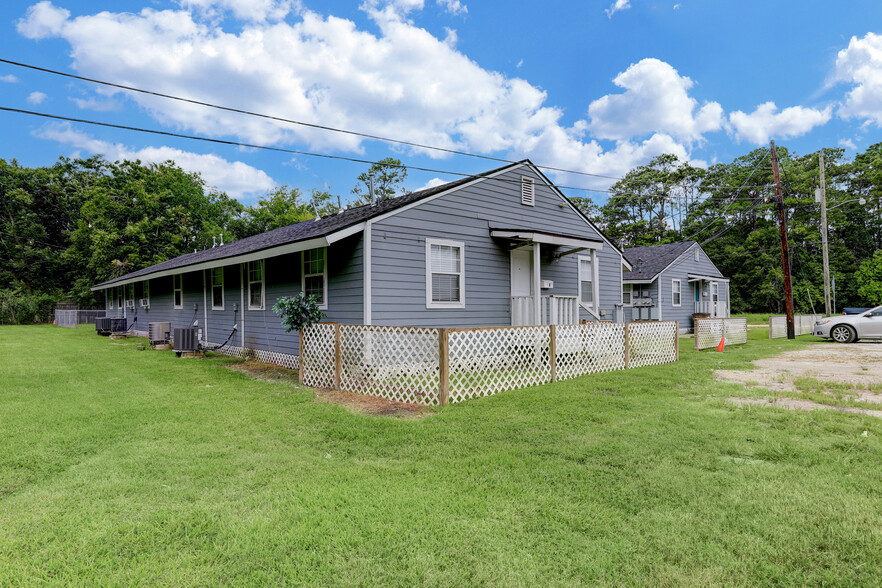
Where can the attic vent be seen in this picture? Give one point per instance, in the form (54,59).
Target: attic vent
(527,196)
(696,254)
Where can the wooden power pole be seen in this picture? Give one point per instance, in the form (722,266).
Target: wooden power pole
(785,252)
(824,249)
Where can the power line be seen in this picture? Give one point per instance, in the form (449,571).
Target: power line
(262,147)
(326,127)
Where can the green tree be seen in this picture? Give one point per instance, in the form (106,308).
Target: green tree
(389,176)
(869,280)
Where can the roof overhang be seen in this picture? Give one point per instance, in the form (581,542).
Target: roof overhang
(244,258)
(638,281)
(697,277)
(520,238)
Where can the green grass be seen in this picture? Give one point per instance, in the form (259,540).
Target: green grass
(755,318)
(126,467)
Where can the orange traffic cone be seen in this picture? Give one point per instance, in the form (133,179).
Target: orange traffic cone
(722,344)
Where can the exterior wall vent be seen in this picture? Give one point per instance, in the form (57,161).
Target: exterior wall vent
(158,333)
(528,197)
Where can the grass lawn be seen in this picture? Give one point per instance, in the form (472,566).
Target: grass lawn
(122,467)
(755,318)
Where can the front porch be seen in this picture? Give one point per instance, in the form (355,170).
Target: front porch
(553,310)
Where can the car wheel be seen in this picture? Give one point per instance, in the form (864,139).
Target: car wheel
(843,334)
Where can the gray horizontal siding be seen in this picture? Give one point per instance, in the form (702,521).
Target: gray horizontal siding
(680,270)
(398,245)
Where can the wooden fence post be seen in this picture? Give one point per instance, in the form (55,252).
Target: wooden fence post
(676,340)
(552,351)
(627,345)
(770,327)
(338,357)
(444,364)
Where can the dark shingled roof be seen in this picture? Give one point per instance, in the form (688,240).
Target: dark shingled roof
(648,262)
(309,229)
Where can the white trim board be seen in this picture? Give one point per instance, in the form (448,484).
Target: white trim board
(545,239)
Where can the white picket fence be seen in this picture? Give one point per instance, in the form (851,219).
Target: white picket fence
(709,331)
(803,324)
(436,366)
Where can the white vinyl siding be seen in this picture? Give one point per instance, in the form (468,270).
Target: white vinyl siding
(178,290)
(315,275)
(676,292)
(255,285)
(217,288)
(445,274)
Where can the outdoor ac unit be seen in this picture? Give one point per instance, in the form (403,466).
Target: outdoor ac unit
(130,304)
(186,339)
(145,303)
(102,325)
(118,325)
(158,332)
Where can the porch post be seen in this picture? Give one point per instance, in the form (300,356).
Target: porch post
(537,290)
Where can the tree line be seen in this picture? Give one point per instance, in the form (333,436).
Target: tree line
(79,222)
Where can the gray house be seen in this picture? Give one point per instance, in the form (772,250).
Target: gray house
(672,282)
(504,247)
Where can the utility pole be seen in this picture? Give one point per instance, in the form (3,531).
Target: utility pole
(826,251)
(785,252)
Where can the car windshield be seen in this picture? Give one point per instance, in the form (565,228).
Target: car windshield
(874,311)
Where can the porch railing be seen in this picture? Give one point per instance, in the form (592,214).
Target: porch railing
(718,309)
(553,310)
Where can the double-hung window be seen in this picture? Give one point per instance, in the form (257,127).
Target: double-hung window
(445,274)
(255,285)
(627,292)
(676,292)
(147,293)
(178,288)
(217,288)
(315,275)
(119,296)
(587,296)
(130,302)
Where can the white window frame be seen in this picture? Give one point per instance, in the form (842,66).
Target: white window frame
(630,293)
(221,286)
(119,297)
(130,301)
(145,290)
(453,304)
(177,286)
(323,304)
(108,298)
(678,292)
(262,282)
(595,286)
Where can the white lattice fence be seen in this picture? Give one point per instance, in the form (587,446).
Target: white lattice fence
(652,343)
(708,331)
(803,324)
(589,349)
(485,361)
(399,363)
(285,360)
(318,355)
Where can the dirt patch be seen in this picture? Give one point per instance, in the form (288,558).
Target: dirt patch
(854,369)
(798,404)
(358,403)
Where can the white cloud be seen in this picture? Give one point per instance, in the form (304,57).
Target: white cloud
(96,104)
(766,122)
(520,64)
(43,20)
(860,64)
(656,99)
(454,7)
(249,10)
(400,82)
(617,6)
(236,178)
(848,144)
(432,183)
(9,79)
(36,97)
(676,6)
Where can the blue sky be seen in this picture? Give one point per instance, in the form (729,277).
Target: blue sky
(596,87)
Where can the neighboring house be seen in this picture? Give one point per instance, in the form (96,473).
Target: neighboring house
(501,248)
(672,282)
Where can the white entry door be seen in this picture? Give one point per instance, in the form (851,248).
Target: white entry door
(521,287)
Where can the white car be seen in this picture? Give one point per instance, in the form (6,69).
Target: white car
(851,327)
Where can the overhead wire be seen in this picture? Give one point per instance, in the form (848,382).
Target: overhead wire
(322,127)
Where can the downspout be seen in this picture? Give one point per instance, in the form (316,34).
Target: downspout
(204,308)
(366,288)
(242,303)
(537,283)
